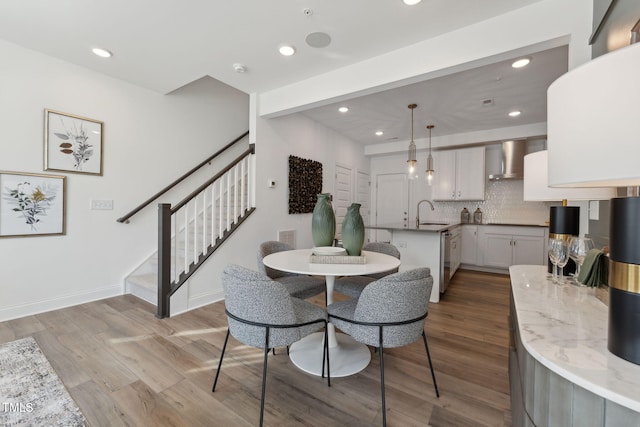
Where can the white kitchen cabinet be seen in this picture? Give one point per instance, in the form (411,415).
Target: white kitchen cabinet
(469,253)
(456,253)
(459,174)
(504,246)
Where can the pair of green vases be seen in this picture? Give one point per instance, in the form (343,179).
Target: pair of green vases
(323,225)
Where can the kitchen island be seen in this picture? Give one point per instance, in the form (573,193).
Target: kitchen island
(560,370)
(421,246)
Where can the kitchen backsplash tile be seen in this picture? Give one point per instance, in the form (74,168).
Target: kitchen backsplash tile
(503,204)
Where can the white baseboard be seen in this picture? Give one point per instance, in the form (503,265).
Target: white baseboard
(199,301)
(43,306)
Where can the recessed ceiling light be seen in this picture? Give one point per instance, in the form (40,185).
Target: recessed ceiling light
(515,113)
(343,109)
(411,2)
(103,53)
(522,62)
(287,50)
(379,133)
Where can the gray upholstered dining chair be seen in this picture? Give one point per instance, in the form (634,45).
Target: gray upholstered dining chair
(298,285)
(353,285)
(262,314)
(390,312)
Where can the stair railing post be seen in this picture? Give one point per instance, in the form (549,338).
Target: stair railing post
(164,259)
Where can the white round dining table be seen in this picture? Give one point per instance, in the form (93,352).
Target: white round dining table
(346,355)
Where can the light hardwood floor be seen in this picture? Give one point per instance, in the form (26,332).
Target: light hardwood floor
(125,367)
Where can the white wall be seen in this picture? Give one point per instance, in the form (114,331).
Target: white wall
(149,140)
(275,139)
(299,136)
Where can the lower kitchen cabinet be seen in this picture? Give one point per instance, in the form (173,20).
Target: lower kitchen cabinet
(504,246)
(469,237)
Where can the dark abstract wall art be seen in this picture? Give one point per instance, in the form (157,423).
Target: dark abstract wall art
(305,183)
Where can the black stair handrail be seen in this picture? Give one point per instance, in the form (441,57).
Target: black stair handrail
(125,218)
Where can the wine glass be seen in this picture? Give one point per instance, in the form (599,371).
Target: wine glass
(552,249)
(563,257)
(579,247)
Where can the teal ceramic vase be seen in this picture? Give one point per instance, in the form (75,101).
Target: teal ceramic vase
(323,221)
(353,230)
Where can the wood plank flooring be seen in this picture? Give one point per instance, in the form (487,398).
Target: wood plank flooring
(124,367)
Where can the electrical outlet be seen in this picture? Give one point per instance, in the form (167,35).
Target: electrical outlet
(101,205)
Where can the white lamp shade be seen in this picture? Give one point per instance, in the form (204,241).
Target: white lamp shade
(537,189)
(593,123)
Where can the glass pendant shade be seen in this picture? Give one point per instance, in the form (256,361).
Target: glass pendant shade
(411,170)
(430,169)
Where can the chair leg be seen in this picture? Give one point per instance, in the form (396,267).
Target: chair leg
(433,375)
(264,374)
(384,404)
(224,347)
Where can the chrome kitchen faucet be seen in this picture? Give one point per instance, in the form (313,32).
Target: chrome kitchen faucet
(418,211)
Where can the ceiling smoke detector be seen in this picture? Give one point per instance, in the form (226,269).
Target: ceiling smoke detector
(239,68)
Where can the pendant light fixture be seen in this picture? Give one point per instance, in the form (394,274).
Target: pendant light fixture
(430,159)
(412,148)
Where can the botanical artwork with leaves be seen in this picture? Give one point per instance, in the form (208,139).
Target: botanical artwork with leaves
(72,143)
(305,183)
(31,204)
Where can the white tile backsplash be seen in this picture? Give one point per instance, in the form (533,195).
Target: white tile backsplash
(503,204)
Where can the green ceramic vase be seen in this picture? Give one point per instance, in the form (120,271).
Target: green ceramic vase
(323,221)
(353,230)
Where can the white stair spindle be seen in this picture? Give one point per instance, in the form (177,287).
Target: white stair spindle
(242,181)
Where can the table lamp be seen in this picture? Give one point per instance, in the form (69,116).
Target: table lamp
(564,221)
(593,129)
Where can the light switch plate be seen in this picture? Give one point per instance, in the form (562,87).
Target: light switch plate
(101,205)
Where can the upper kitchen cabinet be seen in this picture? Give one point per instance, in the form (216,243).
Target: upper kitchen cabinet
(459,174)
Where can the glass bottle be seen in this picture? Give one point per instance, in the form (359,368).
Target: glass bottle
(465,216)
(477,216)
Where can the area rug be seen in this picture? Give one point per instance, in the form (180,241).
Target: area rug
(31,394)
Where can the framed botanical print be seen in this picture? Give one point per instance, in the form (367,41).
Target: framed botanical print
(31,204)
(72,143)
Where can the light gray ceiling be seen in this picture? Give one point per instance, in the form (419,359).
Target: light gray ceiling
(165,44)
(454,103)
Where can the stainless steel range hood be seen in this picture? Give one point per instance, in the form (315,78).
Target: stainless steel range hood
(512,160)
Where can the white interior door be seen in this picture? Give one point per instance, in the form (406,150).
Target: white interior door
(363,196)
(392,202)
(342,197)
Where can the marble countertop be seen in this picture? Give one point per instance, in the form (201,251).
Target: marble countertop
(439,226)
(515,223)
(434,227)
(564,327)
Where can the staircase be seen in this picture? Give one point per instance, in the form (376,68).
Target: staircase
(143,281)
(192,230)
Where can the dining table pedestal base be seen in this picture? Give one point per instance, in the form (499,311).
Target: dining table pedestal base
(346,358)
